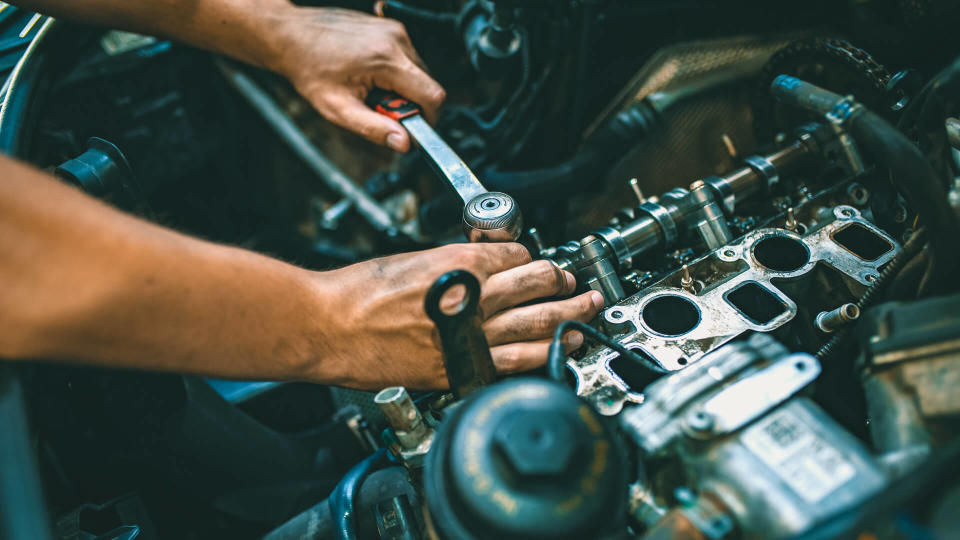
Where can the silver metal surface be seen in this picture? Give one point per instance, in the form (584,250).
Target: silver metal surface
(739,403)
(444,159)
(765,168)
(487,216)
(412,432)
(723,191)
(616,242)
(717,319)
(734,424)
(661,216)
(597,270)
(708,218)
(786,472)
(492,217)
(830,321)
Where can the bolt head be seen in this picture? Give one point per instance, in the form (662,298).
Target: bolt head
(700,421)
(537,444)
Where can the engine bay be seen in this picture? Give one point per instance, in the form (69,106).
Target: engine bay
(766,196)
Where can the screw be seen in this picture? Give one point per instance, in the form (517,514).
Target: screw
(686,281)
(700,421)
(728,143)
(635,185)
(900,214)
(791,222)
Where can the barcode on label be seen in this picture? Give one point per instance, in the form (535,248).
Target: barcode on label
(803,460)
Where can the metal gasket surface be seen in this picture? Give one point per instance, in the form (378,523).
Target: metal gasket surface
(719,319)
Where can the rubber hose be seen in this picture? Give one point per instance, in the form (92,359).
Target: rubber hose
(912,173)
(341,500)
(557,355)
(916,179)
(947,77)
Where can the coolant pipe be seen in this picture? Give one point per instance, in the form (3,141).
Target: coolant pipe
(341,500)
(888,147)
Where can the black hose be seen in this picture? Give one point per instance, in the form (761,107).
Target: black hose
(916,179)
(912,173)
(872,294)
(557,354)
(341,500)
(947,77)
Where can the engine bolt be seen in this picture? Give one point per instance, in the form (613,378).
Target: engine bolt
(686,281)
(791,222)
(700,421)
(635,186)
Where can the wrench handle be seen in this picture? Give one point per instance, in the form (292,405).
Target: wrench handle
(391,104)
(466,354)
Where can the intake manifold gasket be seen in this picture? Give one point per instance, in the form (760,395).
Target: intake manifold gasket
(733,293)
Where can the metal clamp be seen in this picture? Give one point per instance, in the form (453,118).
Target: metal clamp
(844,111)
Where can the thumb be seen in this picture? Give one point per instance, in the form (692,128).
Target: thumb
(348,111)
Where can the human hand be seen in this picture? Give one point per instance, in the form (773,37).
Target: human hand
(378,333)
(335,56)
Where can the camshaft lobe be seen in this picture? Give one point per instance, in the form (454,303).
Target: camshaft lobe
(660,221)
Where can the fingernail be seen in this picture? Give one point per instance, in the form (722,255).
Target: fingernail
(597,299)
(575,340)
(571,281)
(395,142)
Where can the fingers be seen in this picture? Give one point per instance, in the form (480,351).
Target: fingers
(485,260)
(539,321)
(539,279)
(349,111)
(519,357)
(410,81)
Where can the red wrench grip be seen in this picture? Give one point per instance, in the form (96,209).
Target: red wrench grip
(391,104)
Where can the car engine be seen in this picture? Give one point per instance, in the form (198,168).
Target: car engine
(767,195)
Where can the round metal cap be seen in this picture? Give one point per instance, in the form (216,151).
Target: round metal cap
(492,217)
(525,458)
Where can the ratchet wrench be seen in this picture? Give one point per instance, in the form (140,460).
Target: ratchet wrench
(488,216)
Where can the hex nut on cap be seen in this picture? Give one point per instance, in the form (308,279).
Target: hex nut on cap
(536,444)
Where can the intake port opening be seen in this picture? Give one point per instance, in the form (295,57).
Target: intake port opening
(756,302)
(862,242)
(634,374)
(781,253)
(671,315)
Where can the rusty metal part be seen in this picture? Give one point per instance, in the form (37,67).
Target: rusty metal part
(466,354)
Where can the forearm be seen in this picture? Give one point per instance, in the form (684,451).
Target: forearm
(243,29)
(85,283)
